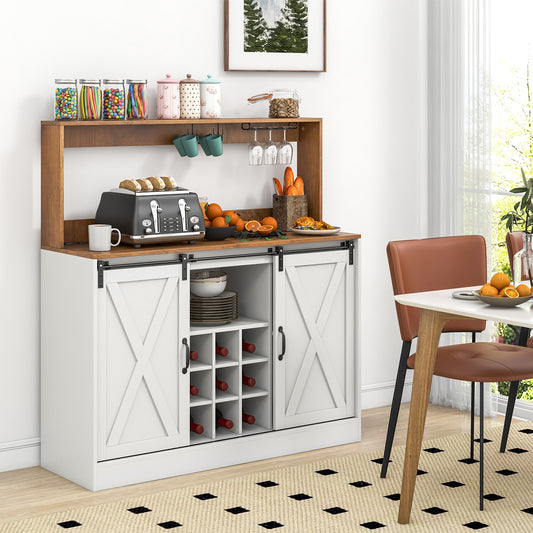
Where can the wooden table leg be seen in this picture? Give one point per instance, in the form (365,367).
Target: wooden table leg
(429,329)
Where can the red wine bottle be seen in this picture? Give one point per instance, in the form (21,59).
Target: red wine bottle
(196,428)
(247,347)
(248,381)
(194,390)
(249,419)
(223,422)
(220,350)
(222,385)
(193,355)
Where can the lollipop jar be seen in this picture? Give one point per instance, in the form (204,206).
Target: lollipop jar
(66,99)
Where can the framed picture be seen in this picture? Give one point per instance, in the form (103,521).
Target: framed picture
(275,35)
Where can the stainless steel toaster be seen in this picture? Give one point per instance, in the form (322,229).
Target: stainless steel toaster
(152,217)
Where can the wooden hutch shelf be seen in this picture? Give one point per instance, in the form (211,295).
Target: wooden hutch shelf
(58,135)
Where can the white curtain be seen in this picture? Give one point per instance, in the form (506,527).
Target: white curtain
(459,148)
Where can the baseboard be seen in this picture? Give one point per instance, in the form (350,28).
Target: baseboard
(522,409)
(20,454)
(380,394)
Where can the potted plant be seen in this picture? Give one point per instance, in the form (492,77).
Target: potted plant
(520,218)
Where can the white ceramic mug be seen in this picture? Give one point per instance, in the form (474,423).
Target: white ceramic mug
(100,237)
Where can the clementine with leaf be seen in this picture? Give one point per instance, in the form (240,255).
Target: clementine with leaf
(218,222)
(233,217)
(213,211)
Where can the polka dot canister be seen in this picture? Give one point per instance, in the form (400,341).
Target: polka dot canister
(189,98)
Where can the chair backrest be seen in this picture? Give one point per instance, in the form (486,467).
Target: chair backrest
(515,242)
(434,264)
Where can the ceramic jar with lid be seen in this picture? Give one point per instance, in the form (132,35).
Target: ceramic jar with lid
(168,98)
(210,98)
(189,98)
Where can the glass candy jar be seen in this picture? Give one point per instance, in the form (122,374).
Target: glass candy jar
(90,100)
(114,99)
(66,99)
(136,105)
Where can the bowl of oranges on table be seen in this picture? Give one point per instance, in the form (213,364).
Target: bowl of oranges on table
(501,293)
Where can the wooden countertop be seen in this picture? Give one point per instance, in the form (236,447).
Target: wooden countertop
(82,250)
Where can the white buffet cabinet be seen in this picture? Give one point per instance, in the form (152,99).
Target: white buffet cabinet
(116,371)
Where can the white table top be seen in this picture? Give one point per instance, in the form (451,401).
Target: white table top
(521,315)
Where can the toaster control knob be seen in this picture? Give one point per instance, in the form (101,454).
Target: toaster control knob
(159,210)
(146,222)
(187,207)
(148,231)
(196,227)
(194,219)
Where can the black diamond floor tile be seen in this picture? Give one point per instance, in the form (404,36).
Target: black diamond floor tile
(335,510)
(394,497)
(493,497)
(517,450)
(139,510)
(372,525)
(529,510)
(433,450)
(205,496)
(527,431)
(326,472)
(69,524)
(301,496)
(267,484)
(434,510)
(468,461)
(506,472)
(380,460)
(237,510)
(484,440)
(453,484)
(169,525)
(420,472)
(360,484)
(271,525)
(475,525)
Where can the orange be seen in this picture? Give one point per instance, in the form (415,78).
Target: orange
(252,225)
(510,292)
(270,221)
(500,280)
(207,223)
(218,222)
(239,226)
(488,290)
(523,290)
(234,217)
(264,230)
(502,292)
(213,211)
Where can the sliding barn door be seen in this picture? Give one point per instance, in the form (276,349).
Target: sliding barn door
(142,388)
(314,374)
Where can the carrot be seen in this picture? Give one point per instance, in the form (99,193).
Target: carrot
(277,184)
(292,190)
(299,184)
(288,179)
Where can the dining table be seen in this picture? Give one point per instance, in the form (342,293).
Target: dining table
(436,309)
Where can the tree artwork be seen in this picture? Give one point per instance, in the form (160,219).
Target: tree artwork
(286,33)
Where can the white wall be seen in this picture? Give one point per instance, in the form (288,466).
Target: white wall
(371,99)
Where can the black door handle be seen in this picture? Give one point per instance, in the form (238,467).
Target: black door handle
(187,356)
(283,343)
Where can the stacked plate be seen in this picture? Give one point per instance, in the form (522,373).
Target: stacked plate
(214,310)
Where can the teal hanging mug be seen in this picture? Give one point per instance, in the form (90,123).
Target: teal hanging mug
(215,142)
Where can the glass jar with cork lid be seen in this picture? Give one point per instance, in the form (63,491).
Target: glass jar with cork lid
(283,103)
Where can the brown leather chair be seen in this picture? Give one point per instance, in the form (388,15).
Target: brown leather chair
(446,263)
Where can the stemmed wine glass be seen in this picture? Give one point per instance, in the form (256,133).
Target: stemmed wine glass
(255,151)
(284,150)
(271,151)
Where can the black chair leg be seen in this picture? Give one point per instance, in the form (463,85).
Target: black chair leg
(395,406)
(511,399)
(481,444)
(472,409)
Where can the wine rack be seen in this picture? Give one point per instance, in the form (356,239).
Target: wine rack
(238,398)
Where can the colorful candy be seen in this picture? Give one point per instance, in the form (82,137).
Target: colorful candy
(66,103)
(90,101)
(114,100)
(136,106)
